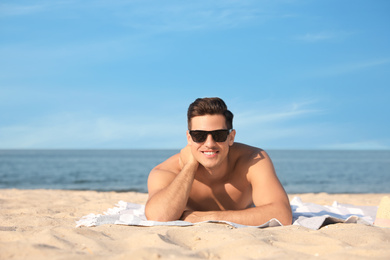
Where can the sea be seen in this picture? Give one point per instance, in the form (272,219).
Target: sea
(300,171)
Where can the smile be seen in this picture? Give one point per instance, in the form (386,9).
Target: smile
(210,153)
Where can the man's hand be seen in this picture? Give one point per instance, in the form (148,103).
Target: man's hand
(186,157)
(193,216)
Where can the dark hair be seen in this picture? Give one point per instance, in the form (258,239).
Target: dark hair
(209,106)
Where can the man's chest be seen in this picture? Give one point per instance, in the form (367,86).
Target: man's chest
(225,196)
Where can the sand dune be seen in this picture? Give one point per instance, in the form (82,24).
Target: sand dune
(40,224)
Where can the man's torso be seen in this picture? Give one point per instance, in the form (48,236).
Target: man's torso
(233,191)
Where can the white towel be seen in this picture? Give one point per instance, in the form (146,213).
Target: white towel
(315,216)
(309,215)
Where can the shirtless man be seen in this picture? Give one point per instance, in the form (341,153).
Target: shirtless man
(214,178)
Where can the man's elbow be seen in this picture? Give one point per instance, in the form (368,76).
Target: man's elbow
(285,217)
(152,216)
(157,216)
(285,220)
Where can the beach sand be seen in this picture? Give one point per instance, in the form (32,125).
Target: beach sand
(40,224)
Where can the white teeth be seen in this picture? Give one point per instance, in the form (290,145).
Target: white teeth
(209,153)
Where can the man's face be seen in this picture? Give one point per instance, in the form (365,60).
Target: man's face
(210,153)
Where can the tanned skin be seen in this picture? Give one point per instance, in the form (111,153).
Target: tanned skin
(217,181)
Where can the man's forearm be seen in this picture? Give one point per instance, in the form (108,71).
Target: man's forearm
(169,203)
(252,216)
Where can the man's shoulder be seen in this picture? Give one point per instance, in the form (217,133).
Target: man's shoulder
(246,154)
(243,150)
(171,164)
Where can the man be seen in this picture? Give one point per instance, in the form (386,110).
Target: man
(214,178)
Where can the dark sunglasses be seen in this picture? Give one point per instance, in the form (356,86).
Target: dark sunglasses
(199,136)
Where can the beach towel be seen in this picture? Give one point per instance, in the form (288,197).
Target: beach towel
(308,215)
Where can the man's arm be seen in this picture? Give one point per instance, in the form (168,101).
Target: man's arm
(267,193)
(169,191)
(251,216)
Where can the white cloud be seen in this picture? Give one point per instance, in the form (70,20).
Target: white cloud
(84,130)
(341,69)
(159,16)
(190,16)
(22,9)
(281,126)
(360,65)
(295,126)
(276,115)
(137,22)
(315,37)
(88,131)
(298,126)
(324,36)
(16,10)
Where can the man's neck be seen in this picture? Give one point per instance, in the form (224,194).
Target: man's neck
(212,175)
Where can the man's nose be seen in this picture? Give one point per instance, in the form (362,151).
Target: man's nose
(209,140)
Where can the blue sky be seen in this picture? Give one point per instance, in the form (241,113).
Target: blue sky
(297,74)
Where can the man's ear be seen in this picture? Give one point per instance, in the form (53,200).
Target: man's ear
(232,135)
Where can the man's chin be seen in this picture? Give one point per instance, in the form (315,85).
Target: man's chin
(209,165)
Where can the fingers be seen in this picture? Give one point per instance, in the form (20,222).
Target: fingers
(185,156)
